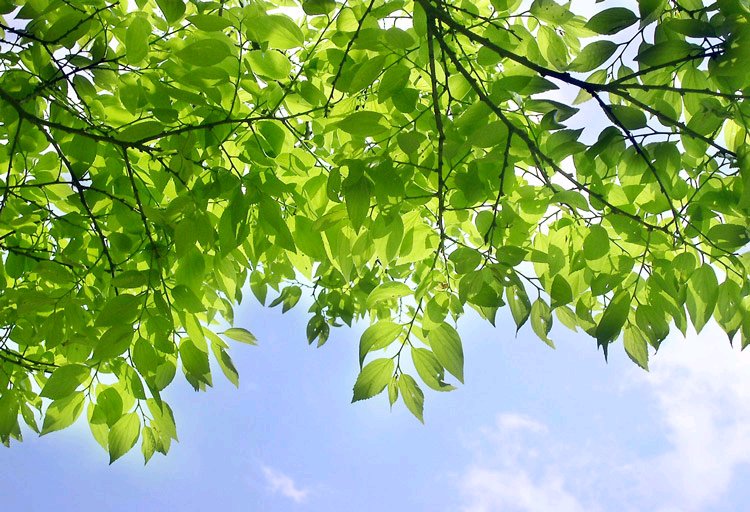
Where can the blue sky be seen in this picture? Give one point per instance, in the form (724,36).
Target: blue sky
(533,429)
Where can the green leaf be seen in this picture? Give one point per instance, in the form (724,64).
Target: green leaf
(551,12)
(652,323)
(541,320)
(666,51)
(377,336)
(209,22)
(636,346)
(205,52)
(363,123)
(123,435)
(357,197)
(64,381)
(136,40)
(561,293)
(226,364)
(140,131)
(288,298)
(614,317)
(186,299)
(109,403)
(277,30)
(702,294)
(630,118)
(520,305)
(392,391)
(270,64)
(131,279)
(258,286)
(64,30)
(366,74)
(650,10)
(241,334)
(446,345)
(429,369)
(592,56)
(553,48)
(399,38)
(318,328)
(392,81)
(195,362)
(148,444)
(596,243)
(271,217)
(8,413)
(465,259)
(729,237)
(113,342)
(728,307)
(162,417)
(373,379)
(389,290)
(315,7)
(62,413)
(173,10)
(412,395)
(120,309)
(610,21)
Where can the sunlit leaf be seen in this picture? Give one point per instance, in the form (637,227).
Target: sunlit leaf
(373,379)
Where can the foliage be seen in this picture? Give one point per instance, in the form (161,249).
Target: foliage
(395,160)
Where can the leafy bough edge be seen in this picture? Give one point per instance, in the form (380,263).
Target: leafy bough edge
(436,23)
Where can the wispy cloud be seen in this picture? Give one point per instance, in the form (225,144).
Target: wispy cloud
(283,484)
(700,389)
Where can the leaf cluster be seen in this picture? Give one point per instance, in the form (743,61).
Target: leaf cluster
(393,160)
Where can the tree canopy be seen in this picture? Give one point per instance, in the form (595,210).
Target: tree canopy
(396,161)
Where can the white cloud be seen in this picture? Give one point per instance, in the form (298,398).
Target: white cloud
(510,490)
(510,421)
(700,391)
(283,484)
(510,474)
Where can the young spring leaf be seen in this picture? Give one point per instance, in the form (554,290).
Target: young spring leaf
(429,369)
(446,345)
(614,317)
(62,413)
(241,334)
(123,435)
(373,379)
(519,304)
(379,335)
(612,20)
(387,291)
(205,52)
(136,39)
(64,381)
(636,346)
(702,294)
(412,395)
(173,10)
(592,56)
(541,320)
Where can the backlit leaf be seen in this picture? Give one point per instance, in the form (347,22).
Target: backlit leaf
(241,334)
(412,395)
(373,379)
(123,435)
(446,345)
(612,20)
